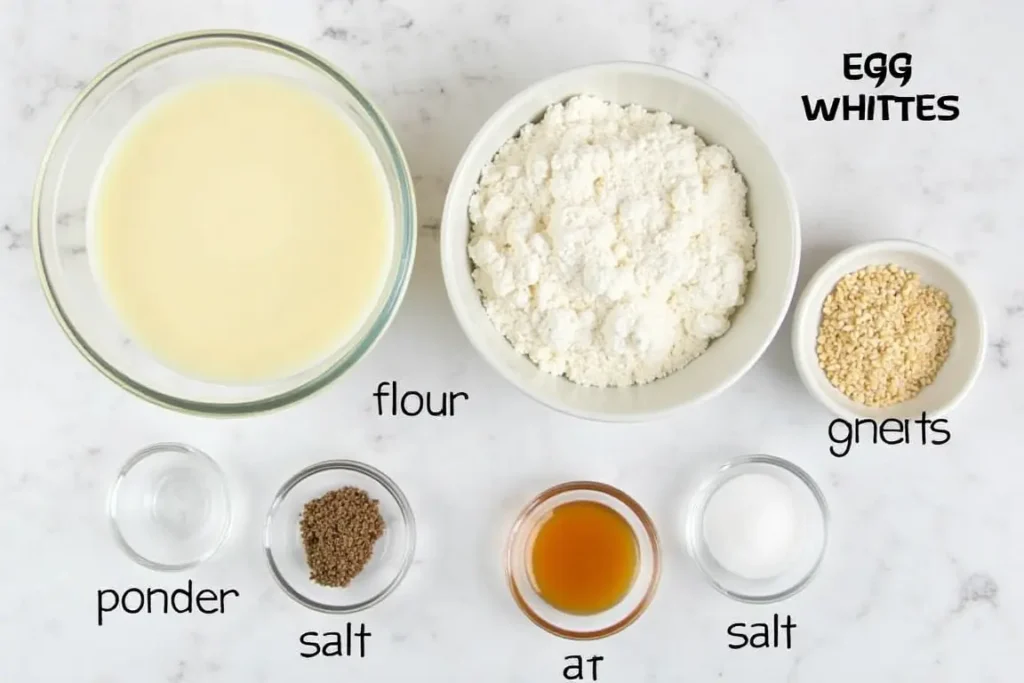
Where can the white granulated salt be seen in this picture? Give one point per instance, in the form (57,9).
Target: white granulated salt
(610,245)
(750,526)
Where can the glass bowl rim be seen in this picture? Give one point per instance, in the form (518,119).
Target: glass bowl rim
(408,520)
(519,527)
(144,454)
(405,231)
(698,504)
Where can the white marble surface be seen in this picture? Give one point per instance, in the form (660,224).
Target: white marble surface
(923,581)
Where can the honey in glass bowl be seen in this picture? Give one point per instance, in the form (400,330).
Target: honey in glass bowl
(583,557)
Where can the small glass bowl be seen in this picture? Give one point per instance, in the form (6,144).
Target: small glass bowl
(812,533)
(169,507)
(575,626)
(64,249)
(392,553)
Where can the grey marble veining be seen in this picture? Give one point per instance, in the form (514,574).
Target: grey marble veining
(923,578)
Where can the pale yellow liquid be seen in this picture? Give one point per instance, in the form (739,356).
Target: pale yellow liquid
(242,229)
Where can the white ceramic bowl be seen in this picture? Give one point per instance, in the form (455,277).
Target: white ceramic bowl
(772,208)
(965,357)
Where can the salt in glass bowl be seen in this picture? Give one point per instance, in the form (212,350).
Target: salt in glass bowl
(392,553)
(812,519)
(75,157)
(576,626)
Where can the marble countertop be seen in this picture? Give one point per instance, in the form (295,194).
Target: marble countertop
(923,578)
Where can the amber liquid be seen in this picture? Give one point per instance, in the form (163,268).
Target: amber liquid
(583,558)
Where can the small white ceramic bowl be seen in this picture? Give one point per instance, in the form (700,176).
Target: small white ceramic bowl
(773,213)
(965,357)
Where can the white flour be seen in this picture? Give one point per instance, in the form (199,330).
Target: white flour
(610,245)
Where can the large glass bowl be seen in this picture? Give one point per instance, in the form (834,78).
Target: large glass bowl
(73,161)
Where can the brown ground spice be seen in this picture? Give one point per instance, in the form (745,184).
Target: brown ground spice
(339,530)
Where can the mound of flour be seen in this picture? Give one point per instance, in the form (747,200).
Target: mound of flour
(609,244)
